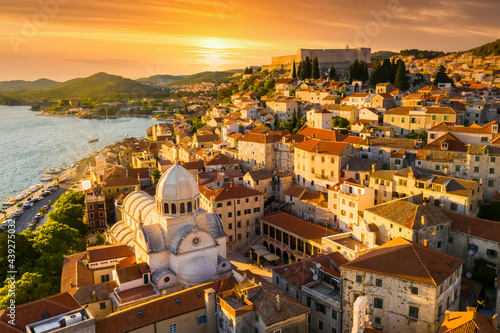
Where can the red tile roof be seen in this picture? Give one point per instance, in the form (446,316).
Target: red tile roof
(406,260)
(32,312)
(107,252)
(298,226)
(161,308)
(323,147)
(229,191)
(481,228)
(322,134)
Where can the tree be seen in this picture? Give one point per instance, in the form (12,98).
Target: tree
(379,74)
(58,238)
(31,287)
(100,239)
(276,121)
(294,71)
(300,123)
(442,77)
(401,81)
(248,70)
(308,66)
(70,197)
(70,215)
(285,125)
(339,122)
(315,68)
(25,255)
(333,73)
(299,71)
(155,175)
(388,70)
(269,85)
(294,120)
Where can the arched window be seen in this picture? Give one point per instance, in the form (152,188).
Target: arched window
(190,207)
(183,210)
(165,208)
(174,210)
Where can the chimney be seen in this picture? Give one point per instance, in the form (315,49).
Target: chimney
(446,316)
(71,284)
(374,166)
(278,304)
(423,219)
(94,296)
(494,321)
(210,307)
(426,242)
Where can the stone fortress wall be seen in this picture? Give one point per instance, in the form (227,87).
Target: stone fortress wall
(341,59)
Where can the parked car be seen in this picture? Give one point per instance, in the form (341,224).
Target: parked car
(46,207)
(39,215)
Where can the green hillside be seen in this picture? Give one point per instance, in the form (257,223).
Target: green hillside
(161,79)
(488,49)
(27,85)
(100,85)
(206,77)
(381,55)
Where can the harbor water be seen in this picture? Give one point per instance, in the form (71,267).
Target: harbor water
(31,144)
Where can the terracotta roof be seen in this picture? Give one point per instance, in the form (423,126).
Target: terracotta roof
(383,174)
(260,174)
(322,147)
(229,191)
(471,129)
(153,311)
(355,140)
(219,159)
(194,165)
(107,252)
(406,260)
(263,138)
(409,214)
(362,164)
(300,272)
(467,322)
(132,272)
(32,312)
(298,226)
(141,172)
(322,134)
(390,143)
(117,176)
(481,228)
(454,144)
(263,297)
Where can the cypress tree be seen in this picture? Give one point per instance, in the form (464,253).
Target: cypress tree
(333,73)
(401,81)
(307,68)
(315,68)
(294,72)
(299,71)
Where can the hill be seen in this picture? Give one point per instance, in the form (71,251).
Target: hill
(27,85)
(206,77)
(100,85)
(381,55)
(487,49)
(421,53)
(161,79)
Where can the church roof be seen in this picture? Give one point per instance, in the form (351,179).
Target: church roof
(177,184)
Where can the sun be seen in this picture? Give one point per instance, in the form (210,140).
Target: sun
(215,43)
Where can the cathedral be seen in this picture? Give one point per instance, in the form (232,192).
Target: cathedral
(183,244)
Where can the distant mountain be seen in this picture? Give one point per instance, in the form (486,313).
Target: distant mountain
(27,85)
(99,85)
(487,49)
(161,79)
(181,80)
(381,55)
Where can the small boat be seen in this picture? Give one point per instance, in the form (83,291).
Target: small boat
(46,178)
(94,137)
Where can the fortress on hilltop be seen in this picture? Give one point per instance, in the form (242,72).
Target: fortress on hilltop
(341,59)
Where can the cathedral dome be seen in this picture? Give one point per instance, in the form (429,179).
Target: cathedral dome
(198,270)
(177,184)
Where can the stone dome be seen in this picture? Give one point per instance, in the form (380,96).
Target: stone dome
(177,184)
(198,270)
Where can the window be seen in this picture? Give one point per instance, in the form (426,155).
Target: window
(104,278)
(433,117)
(492,171)
(248,211)
(437,167)
(229,214)
(476,158)
(238,224)
(256,198)
(440,310)
(453,206)
(334,315)
(457,168)
(392,119)
(378,282)
(334,329)
(320,325)
(450,240)
(359,279)
(102,305)
(414,290)
(202,319)
(173,328)
(484,139)
(492,159)
(256,210)
(219,204)
(491,253)
(490,182)
(230,226)
(439,245)
(238,213)
(378,321)
(277,279)
(413,312)
(320,308)
(228,203)
(378,303)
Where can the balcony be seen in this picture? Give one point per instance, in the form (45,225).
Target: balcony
(324,292)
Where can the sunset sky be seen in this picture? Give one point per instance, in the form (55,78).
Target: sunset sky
(63,39)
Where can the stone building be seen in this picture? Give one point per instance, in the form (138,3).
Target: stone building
(316,283)
(182,243)
(408,286)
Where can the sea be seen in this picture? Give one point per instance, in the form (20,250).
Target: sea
(31,144)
